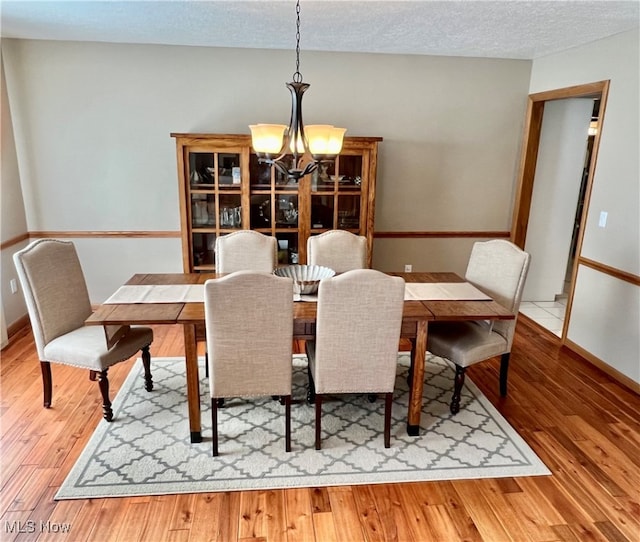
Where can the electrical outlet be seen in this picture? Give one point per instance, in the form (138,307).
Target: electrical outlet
(13,285)
(408,268)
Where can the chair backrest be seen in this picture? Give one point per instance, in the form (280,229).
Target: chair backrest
(54,289)
(357,332)
(499,268)
(246,250)
(338,249)
(249,326)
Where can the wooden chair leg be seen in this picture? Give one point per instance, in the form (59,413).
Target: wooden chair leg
(311,390)
(103,383)
(287,423)
(457,389)
(146,362)
(318,401)
(45,367)
(214,425)
(388,403)
(504,371)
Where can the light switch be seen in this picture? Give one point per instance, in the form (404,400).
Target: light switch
(603,219)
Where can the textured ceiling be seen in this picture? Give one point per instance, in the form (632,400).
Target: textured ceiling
(500,29)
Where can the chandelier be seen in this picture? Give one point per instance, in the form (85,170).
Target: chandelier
(296,149)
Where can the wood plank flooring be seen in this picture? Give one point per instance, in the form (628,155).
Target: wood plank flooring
(582,424)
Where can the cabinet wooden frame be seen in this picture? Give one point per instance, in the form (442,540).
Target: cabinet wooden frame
(362,195)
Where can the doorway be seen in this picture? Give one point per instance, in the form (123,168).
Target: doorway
(525,222)
(594,126)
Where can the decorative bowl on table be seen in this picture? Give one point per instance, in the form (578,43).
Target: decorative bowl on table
(306,277)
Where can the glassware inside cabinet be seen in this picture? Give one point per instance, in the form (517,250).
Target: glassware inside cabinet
(203,210)
(201,170)
(230,211)
(349,212)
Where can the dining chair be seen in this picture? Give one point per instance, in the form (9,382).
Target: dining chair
(339,250)
(498,268)
(249,328)
(246,250)
(58,303)
(357,335)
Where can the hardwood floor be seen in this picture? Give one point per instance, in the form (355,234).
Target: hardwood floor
(582,424)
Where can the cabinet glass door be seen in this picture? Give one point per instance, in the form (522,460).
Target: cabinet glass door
(274,202)
(349,172)
(201,170)
(203,245)
(322,207)
(348,212)
(215,195)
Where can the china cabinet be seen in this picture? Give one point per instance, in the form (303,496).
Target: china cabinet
(223,188)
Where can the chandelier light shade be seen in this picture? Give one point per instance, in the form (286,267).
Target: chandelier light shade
(267,138)
(296,149)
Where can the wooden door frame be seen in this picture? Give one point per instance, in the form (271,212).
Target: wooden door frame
(529,158)
(531,145)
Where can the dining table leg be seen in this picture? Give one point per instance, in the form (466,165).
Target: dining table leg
(417,379)
(193,382)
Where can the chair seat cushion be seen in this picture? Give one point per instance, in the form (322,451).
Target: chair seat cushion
(87,347)
(465,343)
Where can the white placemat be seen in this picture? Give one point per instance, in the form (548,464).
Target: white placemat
(443,291)
(158,293)
(194,293)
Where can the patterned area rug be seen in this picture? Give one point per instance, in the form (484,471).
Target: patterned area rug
(146,450)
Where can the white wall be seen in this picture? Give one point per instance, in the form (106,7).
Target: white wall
(95,153)
(13,223)
(616,189)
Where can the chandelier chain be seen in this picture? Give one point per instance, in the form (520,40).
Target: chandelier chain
(297,76)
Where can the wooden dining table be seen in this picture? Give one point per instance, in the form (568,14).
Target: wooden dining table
(415,320)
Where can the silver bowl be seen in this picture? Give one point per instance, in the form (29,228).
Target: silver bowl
(306,277)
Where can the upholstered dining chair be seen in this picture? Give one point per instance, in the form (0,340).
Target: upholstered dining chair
(357,335)
(339,250)
(58,303)
(249,326)
(498,268)
(246,250)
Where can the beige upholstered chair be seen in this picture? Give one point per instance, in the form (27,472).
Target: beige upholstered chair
(338,249)
(246,250)
(249,323)
(357,335)
(498,268)
(58,303)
